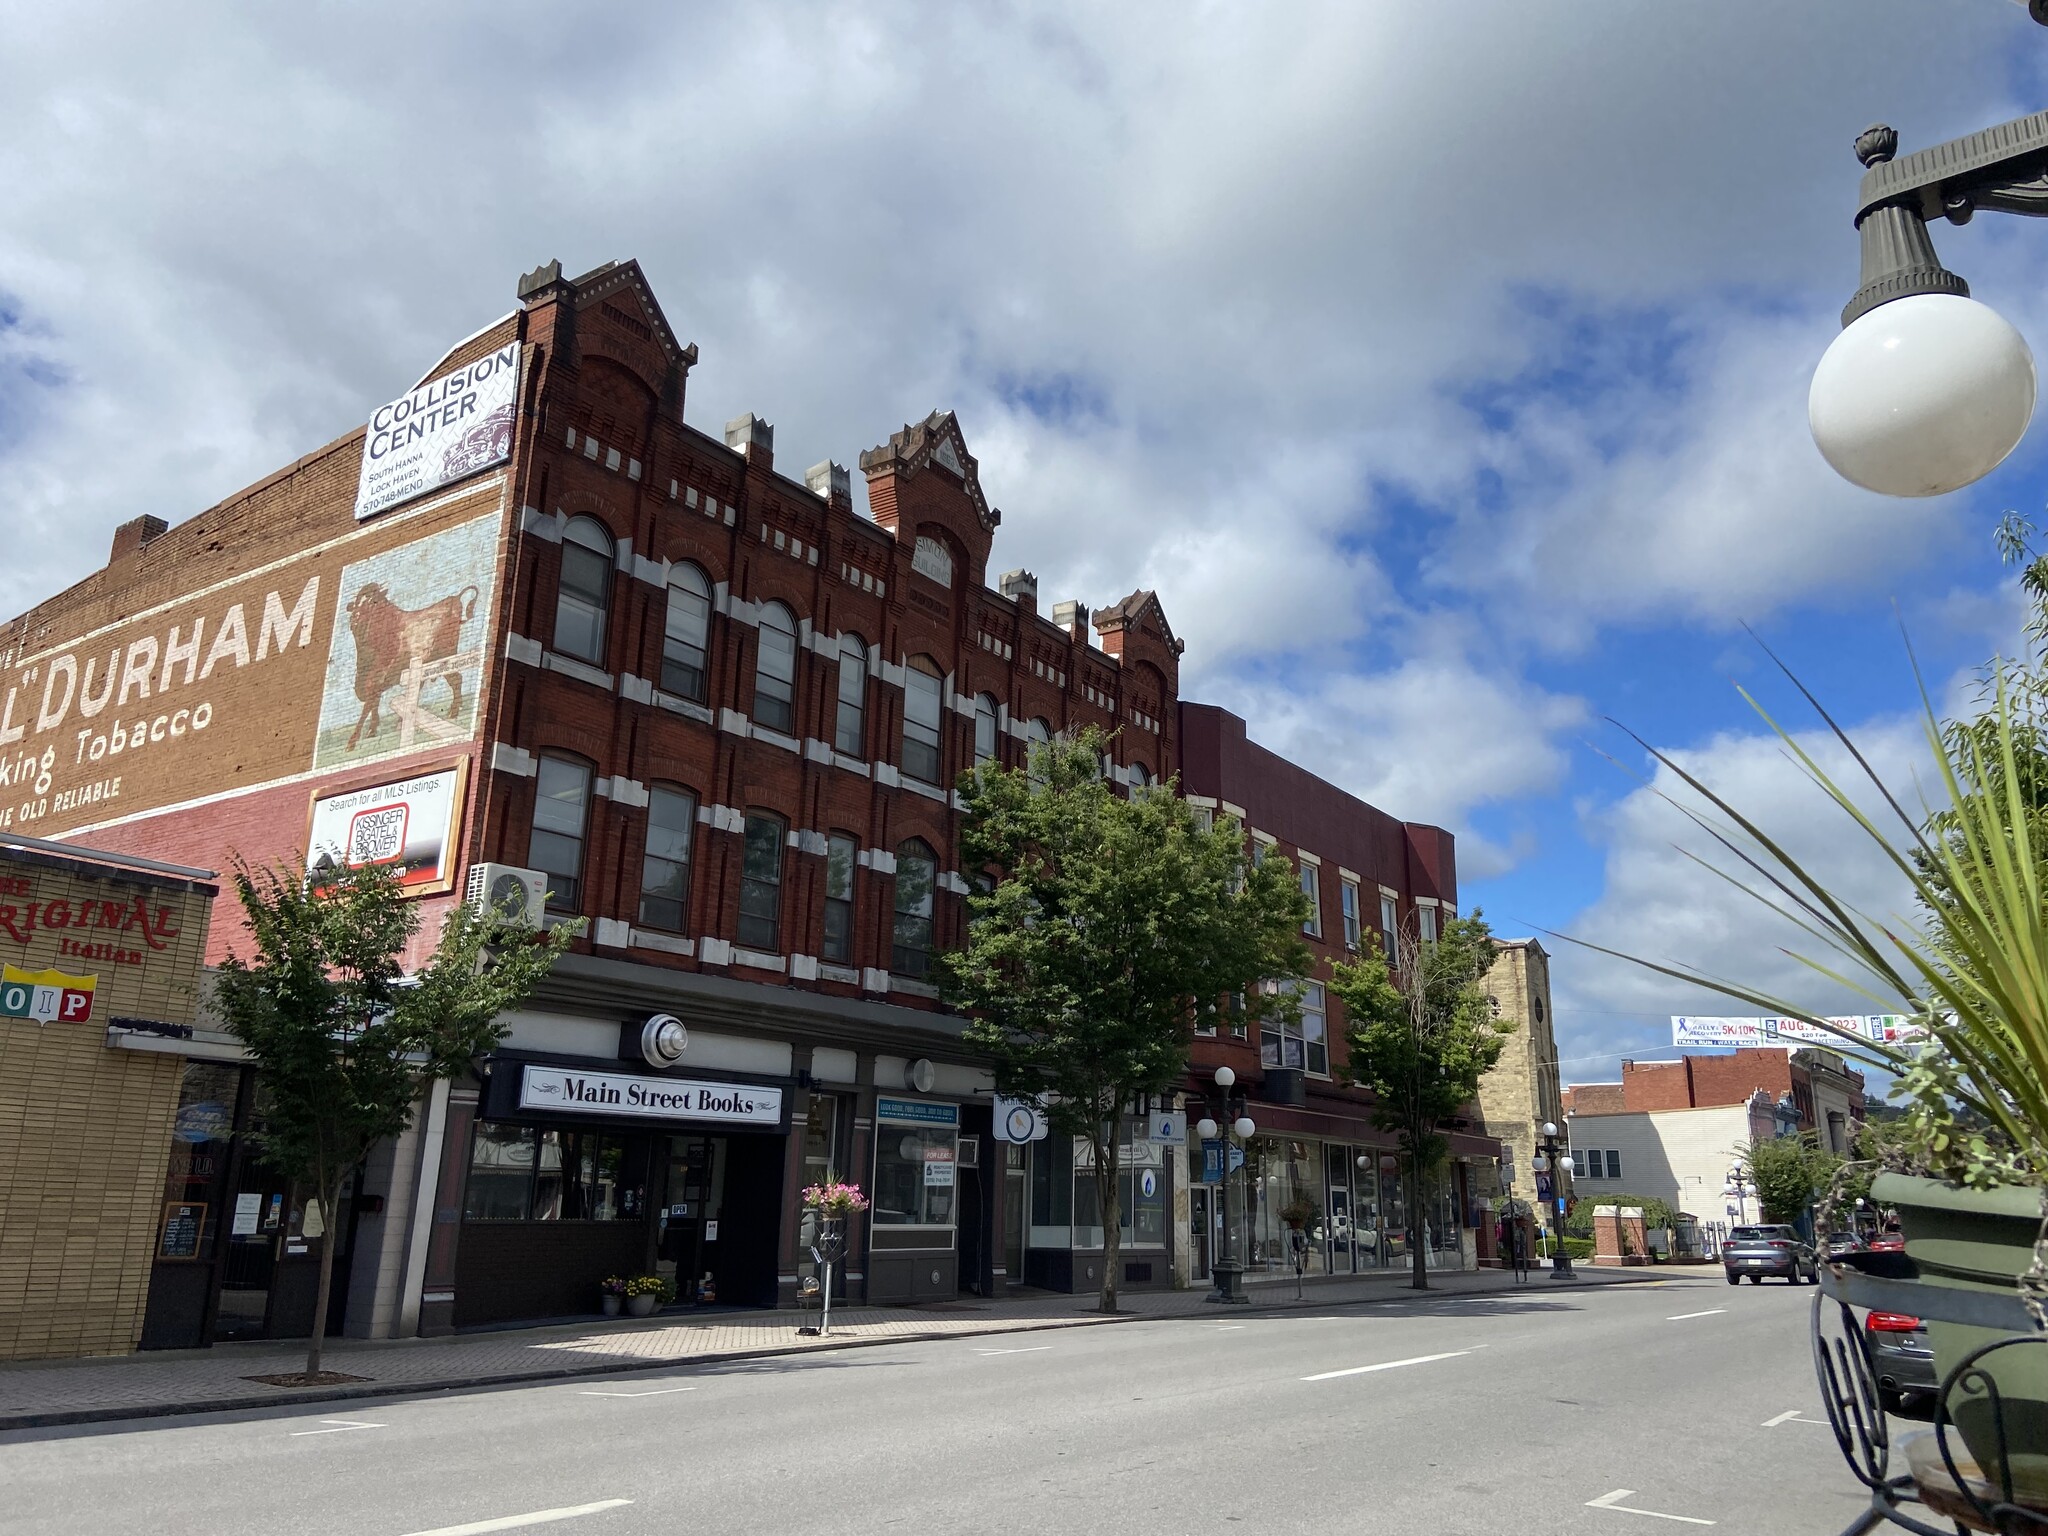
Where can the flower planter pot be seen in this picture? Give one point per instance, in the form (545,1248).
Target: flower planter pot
(612,1304)
(641,1306)
(1980,1240)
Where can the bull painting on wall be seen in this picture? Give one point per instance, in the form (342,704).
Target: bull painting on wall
(406,661)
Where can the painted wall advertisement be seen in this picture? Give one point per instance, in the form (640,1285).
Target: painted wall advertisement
(409,826)
(441,431)
(1866,1028)
(319,661)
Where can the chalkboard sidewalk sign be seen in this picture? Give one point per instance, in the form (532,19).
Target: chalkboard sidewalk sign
(184,1220)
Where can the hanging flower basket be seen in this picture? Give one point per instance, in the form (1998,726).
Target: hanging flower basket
(1298,1212)
(835,1199)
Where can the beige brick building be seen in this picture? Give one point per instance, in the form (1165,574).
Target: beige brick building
(96,956)
(1521,1092)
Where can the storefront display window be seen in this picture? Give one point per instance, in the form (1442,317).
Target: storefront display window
(201,1136)
(914,1175)
(1141,1194)
(523,1173)
(1052,1192)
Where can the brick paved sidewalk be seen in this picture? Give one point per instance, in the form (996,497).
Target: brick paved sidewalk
(208,1380)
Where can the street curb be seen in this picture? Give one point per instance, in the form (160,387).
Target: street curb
(340,1394)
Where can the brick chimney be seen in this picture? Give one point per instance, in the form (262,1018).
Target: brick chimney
(1021,588)
(136,535)
(832,484)
(753,437)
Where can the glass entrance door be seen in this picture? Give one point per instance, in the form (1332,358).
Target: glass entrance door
(689,1210)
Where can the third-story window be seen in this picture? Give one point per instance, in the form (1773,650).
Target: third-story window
(985,720)
(665,869)
(1352,936)
(761,882)
(840,854)
(775,671)
(583,605)
(923,708)
(917,873)
(686,634)
(850,733)
(561,806)
(1311,887)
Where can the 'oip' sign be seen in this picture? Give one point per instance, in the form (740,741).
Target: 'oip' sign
(45,996)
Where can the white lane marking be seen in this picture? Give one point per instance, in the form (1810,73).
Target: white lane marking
(514,1522)
(1710,1312)
(1790,1416)
(341,1427)
(1392,1365)
(1607,1501)
(652,1392)
(1227,1328)
(1029,1350)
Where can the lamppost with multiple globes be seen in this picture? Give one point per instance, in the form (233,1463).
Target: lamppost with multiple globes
(1548,1158)
(1738,1189)
(1226,1112)
(1926,390)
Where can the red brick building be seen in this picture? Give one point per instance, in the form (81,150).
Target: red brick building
(529,631)
(1817,1089)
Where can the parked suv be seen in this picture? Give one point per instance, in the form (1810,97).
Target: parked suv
(1760,1251)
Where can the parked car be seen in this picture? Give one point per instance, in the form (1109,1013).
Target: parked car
(1888,1242)
(1844,1242)
(1901,1359)
(1773,1250)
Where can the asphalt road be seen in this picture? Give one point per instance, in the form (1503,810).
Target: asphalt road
(1546,1410)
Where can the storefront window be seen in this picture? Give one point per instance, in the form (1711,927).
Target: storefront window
(1141,1194)
(914,1169)
(523,1173)
(200,1138)
(1052,1192)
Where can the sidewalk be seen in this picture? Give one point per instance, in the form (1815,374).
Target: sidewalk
(210,1380)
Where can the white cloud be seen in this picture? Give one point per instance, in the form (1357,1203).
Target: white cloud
(1659,905)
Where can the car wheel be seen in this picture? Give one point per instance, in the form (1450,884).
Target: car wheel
(1756,1279)
(1735,1279)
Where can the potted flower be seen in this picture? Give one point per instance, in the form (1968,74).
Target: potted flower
(1298,1212)
(644,1293)
(613,1289)
(835,1199)
(832,1202)
(1967,980)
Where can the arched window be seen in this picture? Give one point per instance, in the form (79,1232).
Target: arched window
(584,603)
(686,637)
(775,671)
(850,734)
(917,875)
(1037,737)
(561,814)
(1141,776)
(665,867)
(985,724)
(761,881)
(923,706)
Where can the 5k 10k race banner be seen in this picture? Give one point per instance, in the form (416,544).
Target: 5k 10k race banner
(1864,1028)
(447,428)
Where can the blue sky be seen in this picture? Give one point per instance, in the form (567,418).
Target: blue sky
(1443,367)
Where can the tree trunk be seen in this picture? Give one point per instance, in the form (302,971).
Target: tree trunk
(1106,1170)
(330,1201)
(1418,1261)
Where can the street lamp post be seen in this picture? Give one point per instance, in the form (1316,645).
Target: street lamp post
(1737,1189)
(1548,1158)
(1229,1108)
(1926,390)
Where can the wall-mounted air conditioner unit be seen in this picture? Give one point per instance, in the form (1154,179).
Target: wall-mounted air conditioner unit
(521,894)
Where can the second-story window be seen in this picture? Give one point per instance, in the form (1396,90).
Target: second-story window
(840,855)
(583,605)
(917,874)
(923,708)
(665,868)
(561,812)
(1390,926)
(985,738)
(761,882)
(1037,738)
(850,733)
(1311,887)
(1353,937)
(1425,924)
(1304,1043)
(775,671)
(686,634)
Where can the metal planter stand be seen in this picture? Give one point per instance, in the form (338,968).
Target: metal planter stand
(1964,1497)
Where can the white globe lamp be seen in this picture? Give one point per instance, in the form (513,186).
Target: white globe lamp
(1922,396)
(1225,1078)
(1206,1128)
(1244,1128)
(1565,1163)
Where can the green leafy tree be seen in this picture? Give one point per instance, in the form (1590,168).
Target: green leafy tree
(1789,1173)
(1114,927)
(1422,1035)
(345,1040)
